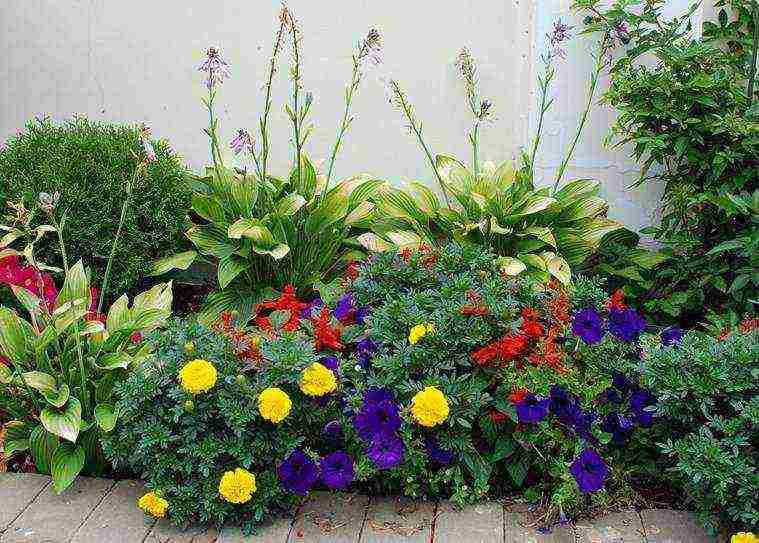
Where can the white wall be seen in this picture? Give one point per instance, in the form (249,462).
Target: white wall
(135,61)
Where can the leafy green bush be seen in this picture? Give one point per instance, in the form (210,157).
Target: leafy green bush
(709,397)
(689,118)
(90,163)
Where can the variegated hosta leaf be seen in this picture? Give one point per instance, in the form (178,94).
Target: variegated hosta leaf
(511,266)
(593,230)
(307,183)
(505,175)
(454,174)
(359,213)
(16,336)
(66,464)
(580,188)
(261,238)
(229,268)
(584,208)
(211,240)
(530,204)
(533,260)
(396,203)
(208,207)
(76,285)
(151,308)
(289,205)
(543,233)
(40,381)
(331,209)
(65,422)
(30,302)
(180,261)
(405,239)
(112,361)
(361,188)
(425,198)
(557,267)
(496,228)
(372,242)
(105,416)
(244,193)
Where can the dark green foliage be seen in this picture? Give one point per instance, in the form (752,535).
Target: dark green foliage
(708,392)
(89,163)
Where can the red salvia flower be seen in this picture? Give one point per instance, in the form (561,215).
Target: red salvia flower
(497,416)
(616,301)
(406,254)
(504,350)
(748,325)
(352,270)
(518,395)
(325,336)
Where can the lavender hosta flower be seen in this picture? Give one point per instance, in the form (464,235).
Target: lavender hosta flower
(590,471)
(49,201)
(337,470)
(672,336)
(626,324)
(532,409)
(370,49)
(298,473)
(588,326)
(559,34)
(242,142)
(386,452)
(215,67)
(437,454)
(145,137)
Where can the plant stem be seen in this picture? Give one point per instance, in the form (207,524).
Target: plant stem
(264,120)
(474,138)
(755,51)
(296,106)
(114,246)
(544,107)
(583,119)
(355,77)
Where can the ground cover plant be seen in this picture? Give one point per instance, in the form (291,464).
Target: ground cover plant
(93,166)
(261,231)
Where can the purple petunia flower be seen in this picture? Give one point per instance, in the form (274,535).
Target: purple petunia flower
(331,362)
(619,426)
(333,432)
(560,404)
(532,409)
(298,473)
(672,336)
(337,470)
(345,309)
(587,325)
(315,306)
(438,454)
(362,313)
(365,351)
(590,471)
(626,324)
(377,419)
(215,67)
(386,451)
(622,383)
(639,403)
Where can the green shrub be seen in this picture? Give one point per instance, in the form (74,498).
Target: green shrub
(709,397)
(89,163)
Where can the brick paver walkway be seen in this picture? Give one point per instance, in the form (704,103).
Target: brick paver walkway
(105,511)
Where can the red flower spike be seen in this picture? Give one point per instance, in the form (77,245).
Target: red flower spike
(518,395)
(616,301)
(325,336)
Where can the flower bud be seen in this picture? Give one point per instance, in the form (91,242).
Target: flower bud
(241,379)
(189,347)
(189,406)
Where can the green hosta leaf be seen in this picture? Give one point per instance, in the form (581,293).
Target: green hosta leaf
(151,308)
(511,266)
(65,422)
(118,314)
(405,239)
(211,240)
(533,260)
(372,242)
(40,381)
(426,200)
(558,267)
(245,193)
(586,208)
(543,233)
(105,417)
(209,208)
(229,268)
(30,302)
(67,463)
(48,335)
(531,204)
(6,376)
(363,191)
(359,213)
(112,361)
(289,205)
(15,336)
(580,188)
(42,445)
(16,437)
(180,261)
(646,259)
(307,184)
(454,174)
(332,208)
(59,397)
(76,286)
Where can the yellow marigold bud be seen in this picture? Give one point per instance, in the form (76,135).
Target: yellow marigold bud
(274,404)
(430,407)
(237,486)
(189,406)
(318,380)
(744,537)
(419,331)
(153,505)
(189,347)
(197,376)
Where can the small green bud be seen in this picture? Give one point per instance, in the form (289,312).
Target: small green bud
(241,379)
(189,347)
(189,406)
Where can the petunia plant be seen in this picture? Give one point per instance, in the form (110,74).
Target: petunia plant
(260,231)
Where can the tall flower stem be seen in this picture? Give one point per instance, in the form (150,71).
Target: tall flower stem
(346,120)
(544,83)
(474,139)
(600,63)
(754,52)
(296,115)
(263,122)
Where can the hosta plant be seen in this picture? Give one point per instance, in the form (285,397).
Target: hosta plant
(261,231)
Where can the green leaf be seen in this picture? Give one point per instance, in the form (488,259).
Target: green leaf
(16,437)
(40,381)
(67,463)
(6,376)
(76,286)
(105,416)
(57,398)
(209,208)
(332,208)
(511,266)
(112,361)
(15,336)
(43,445)
(180,261)
(289,205)
(245,193)
(30,302)
(64,423)
(211,240)
(229,268)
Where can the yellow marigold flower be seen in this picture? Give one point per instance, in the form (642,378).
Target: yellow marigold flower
(744,537)
(274,404)
(237,486)
(197,376)
(153,505)
(419,331)
(318,380)
(430,407)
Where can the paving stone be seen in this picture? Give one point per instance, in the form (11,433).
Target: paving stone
(165,532)
(273,531)
(664,526)
(390,520)
(521,526)
(482,523)
(17,491)
(57,517)
(622,527)
(329,517)
(117,514)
